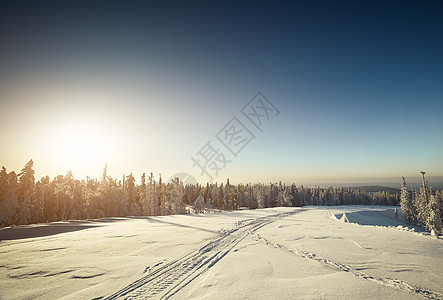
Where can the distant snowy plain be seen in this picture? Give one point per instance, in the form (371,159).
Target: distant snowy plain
(274,253)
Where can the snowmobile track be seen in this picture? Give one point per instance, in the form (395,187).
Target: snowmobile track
(168,279)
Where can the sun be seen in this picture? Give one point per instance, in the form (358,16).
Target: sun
(79,147)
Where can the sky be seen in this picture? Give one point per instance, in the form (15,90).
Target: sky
(343,91)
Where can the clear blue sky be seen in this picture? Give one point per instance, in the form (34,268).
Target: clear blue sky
(142,86)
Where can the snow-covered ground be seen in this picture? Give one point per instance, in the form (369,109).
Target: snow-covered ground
(282,253)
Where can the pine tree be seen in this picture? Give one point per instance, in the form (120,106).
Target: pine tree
(199,204)
(439,196)
(68,194)
(25,191)
(3,182)
(151,198)
(161,197)
(279,197)
(176,197)
(105,173)
(421,203)
(142,195)
(226,195)
(406,204)
(49,213)
(38,204)
(433,222)
(78,204)
(8,199)
(130,195)
(215,195)
(259,195)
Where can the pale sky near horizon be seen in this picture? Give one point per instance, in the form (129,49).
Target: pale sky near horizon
(144,86)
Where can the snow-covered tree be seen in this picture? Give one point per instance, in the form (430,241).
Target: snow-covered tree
(151,197)
(176,192)
(105,174)
(8,199)
(421,202)
(230,199)
(216,196)
(407,207)
(38,204)
(163,210)
(439,196)
(3,182)
(133,208)
(259,195)
(199,204)
(433,222)
(25,190)
(141,191)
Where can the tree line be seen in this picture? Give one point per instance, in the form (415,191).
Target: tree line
(24,201)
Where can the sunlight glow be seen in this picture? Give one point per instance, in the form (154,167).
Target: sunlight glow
(80,146)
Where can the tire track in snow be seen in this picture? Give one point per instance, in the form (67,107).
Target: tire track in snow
(386,281)
(168,279)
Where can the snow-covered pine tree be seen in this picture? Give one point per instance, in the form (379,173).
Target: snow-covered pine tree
(439,195)
(3,182)
(130,195)
(199,204)
(294,196)
(272,199)
(48,199)
(68,187)
(330,197)
(25,190)
(260,195)
(407,207)
(151,201)
(161,197)
(421,203)
(250,198)
(105,173)
(232,200)
(433,222)
(38,204)
(148,205)
(226,192)
(78,205)
(93,204)
(176,197)
(206,192)
(288,198)
(8,199)
(279,196)
(142,190)
(215,195)
(240,196)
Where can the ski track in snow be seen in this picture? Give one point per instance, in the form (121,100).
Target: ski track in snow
(389,282)
(168,279)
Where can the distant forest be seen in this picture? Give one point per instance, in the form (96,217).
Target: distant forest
(24,201)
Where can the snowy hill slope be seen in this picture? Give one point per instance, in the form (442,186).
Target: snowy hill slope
(278,252)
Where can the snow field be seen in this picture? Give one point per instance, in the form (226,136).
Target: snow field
(281,253)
